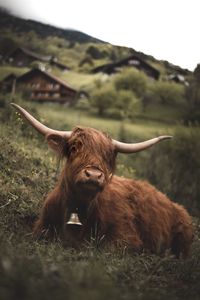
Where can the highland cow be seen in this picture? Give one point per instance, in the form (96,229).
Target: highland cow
(120,211)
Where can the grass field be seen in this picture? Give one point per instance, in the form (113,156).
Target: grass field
(65,117)
(7,70)
(36,270)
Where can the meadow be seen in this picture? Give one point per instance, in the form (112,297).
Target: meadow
(32,269)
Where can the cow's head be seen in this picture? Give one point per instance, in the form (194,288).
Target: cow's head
(90,159)
(90,153)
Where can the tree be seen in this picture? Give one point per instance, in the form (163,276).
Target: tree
(7,45)
(95,53)
(116,104)
(103,98)
(192,115)
(132,80)
(193,89)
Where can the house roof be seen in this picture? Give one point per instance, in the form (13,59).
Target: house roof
(59,65)
(9,77)
(132,60)
(32,54)
(54,78)
(44,58)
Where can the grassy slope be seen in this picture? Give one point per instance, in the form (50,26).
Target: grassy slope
(155,113)
(80,80)
(62,118)
(7,70)
(35,270)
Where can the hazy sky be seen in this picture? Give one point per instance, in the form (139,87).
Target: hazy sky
(166,29)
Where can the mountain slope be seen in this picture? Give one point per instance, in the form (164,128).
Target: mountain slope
(44,30)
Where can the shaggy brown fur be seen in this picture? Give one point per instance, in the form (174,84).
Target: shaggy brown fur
(121,211)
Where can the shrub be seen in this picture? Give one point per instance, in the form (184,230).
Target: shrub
(95,53)
(167,92)
(8,115)
(83,104)
(174,167)
(192,117)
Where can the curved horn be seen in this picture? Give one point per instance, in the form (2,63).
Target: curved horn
(44,130)
(136,147)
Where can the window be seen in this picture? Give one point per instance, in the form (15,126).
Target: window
(56,95)
(133,62)
(35,85)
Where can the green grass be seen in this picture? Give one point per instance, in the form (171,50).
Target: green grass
(80,80)
(169,114)
(37,270)
(65,118)
(7,70)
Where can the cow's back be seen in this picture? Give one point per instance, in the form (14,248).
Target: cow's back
(139,211)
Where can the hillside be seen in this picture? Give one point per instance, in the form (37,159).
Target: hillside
(154,100)
(20,26)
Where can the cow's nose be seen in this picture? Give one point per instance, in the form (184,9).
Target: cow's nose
(94,175)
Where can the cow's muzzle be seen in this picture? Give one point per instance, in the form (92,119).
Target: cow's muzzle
(91,179)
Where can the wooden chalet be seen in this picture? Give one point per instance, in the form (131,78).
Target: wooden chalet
(132,61)
(45,87)
(22,57)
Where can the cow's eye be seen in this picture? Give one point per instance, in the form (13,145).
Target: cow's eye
(76,147)
(73,149)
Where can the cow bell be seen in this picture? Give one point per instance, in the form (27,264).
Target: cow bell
(74,220)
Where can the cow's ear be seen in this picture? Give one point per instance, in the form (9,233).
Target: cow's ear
(57,142)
